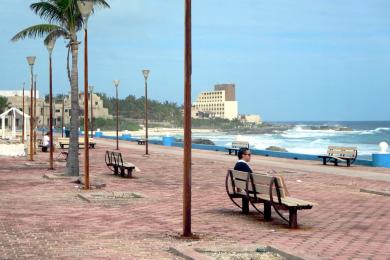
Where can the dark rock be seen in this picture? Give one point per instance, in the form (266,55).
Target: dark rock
(198,141)
(202,141)
(276,149)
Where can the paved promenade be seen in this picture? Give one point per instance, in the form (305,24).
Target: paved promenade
(43,218)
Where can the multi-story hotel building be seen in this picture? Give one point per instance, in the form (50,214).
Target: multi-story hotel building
(218,103)
(61,107)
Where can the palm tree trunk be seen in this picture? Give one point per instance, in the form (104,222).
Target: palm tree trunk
(73,157)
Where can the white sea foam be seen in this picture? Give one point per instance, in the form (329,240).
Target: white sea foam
(308,141)
(374,131)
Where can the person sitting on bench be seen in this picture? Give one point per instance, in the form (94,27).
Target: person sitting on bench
(46,142)
(244,156)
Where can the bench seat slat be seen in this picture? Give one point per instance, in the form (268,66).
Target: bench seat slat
(288,201)
(127,164)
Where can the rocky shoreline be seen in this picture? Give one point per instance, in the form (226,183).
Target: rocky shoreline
(272,129)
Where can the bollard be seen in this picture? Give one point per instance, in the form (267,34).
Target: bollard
(168,140)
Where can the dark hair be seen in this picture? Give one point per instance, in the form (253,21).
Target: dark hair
(241,152)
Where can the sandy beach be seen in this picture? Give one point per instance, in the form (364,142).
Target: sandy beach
(160,132)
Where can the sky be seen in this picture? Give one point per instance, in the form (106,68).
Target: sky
(291,60)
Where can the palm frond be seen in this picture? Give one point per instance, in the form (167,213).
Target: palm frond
(54,35)
(101,3)
(35,31)
(48,11)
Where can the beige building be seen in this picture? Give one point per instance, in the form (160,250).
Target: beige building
(218,103)
(61,108)
(252,119)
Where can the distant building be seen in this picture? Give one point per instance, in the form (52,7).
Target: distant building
(251,119)
(15,98)
(218,103)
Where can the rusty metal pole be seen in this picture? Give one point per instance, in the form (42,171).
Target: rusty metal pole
(86,141)
(85,8)
(146,118)
(23,116)
(51,167)
(31,119)
(146,74)
(117,118)
(91,88)
(35,114)
(63,117)
(31,61)
(187,123)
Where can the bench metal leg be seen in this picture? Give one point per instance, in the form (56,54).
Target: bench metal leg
(245,206)
(324,161)
(115,169)
(123,172)
(129,173)
(348,162)
(293,218)
(267,211)
(336,162)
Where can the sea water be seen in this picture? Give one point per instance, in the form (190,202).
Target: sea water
(365,135)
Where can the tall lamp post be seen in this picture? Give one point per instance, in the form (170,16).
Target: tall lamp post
(116,83)
(50,47)
(91,93)
(31,61)
(187,123)
(85,8)
(146,74)
(23,115)
(35,114)
(63,117)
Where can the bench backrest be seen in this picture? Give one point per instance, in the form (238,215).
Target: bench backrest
(63,140)
(261,183)
(344,152)
(108,158)
(238,180)
(258,183)
(240,144)
(117,158)
(81,140)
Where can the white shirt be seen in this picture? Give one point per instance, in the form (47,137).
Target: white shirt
(46,140)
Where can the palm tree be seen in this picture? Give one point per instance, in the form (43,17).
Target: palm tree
(4,104)
(64,20)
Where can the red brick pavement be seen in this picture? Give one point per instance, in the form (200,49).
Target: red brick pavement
(44,219)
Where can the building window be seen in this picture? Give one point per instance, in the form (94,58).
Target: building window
(58,111)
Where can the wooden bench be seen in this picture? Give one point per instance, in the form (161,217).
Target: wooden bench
(64,142)
(236,145)
(270,190)
(141,141)
(114,162)
(342,154)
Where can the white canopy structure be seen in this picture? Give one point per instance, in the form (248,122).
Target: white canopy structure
(12,114)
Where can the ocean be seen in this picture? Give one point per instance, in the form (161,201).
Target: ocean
(301,138)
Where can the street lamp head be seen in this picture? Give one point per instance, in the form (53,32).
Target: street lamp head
(50,45)
(31,60)
(90,88)
(85,7)
(116,82)
(146,73)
